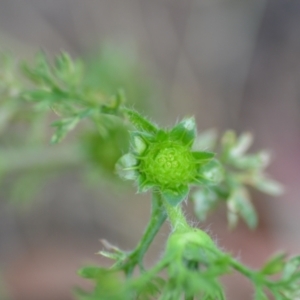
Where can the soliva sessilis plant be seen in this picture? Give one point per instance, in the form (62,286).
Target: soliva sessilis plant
(175,165)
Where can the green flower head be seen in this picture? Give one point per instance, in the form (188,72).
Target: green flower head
(164,160)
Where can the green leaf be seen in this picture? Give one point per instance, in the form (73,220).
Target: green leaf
(255,161)
(40,72)
(267,185)
(185,131)
(203,156)
(232,216)
(126,167)
(239,203)
(228,142)
(260,295)
(205,200)
(90,272)
(210,173)
(140,122)
(63,127)
(242,144)
(111,255)
(291,267)
(274,265)
(37,95)
(115,103)
(68,70)
(174,197)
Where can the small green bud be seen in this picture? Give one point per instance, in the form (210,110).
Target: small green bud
(168,164)
(163,159)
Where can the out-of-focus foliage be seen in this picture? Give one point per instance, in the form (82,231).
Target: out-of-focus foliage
(69,91)
(190,267)
(241,170)
(164,161)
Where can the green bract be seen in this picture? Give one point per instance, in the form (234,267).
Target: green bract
(164,160)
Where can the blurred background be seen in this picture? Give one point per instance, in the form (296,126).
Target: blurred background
(232,64)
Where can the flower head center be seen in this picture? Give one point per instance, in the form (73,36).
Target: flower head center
(169,164)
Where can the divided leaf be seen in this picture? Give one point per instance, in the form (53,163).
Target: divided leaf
(239,204)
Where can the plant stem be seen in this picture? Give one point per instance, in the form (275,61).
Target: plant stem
(176,217)
(157,218)
(242,269)
(253,276)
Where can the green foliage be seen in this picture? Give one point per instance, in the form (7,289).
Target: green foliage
(61,87)
(168,162)
(79,96)
(240,170)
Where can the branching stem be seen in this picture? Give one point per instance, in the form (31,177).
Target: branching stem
(176,217)
(157,218)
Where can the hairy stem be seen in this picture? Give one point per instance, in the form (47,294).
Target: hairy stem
(176,217)
(157,218)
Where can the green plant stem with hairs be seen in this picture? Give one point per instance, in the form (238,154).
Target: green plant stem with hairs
(169,163)
(163,161)
(157,218)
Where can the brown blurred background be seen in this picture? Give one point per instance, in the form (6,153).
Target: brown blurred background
(234,64)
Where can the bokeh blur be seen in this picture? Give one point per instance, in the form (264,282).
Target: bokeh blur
(233,64)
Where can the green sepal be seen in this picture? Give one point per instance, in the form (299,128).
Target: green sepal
(139,122)
(126,167)
(161,136)
(143,184)
(185,131)
(203,156)
(138,143)
(174,197)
